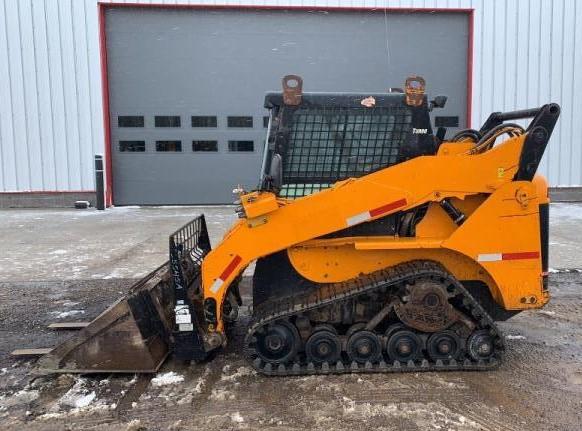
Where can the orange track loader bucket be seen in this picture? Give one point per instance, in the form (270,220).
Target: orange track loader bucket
(138,332)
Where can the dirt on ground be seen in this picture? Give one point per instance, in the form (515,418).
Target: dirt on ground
(539,386)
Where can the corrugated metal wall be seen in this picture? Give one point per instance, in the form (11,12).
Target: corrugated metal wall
(526,52)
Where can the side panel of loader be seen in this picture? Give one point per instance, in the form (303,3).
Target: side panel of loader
(479,249)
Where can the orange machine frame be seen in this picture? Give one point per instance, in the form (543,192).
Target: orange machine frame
(499,243)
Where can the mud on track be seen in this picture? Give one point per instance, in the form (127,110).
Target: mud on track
(538,388)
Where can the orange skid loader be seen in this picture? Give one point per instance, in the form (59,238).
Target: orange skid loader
(380,246)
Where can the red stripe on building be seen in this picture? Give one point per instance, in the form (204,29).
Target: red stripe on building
(521,255)
(231,266)
(387,208)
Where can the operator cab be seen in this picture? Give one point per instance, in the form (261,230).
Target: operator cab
(317,139)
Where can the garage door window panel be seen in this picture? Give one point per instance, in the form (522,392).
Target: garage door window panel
(130,121)
(168,146)
(168,121)
(204,121)
(131,146)
(240,121)
(241,146)
(205,146)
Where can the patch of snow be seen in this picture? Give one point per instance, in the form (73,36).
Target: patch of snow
(69,303)
(24,396)
(78,396)
(133,380)
(221,395)
(63,314)
(425,416)
(240,372)
(3,371)
(547,313)
(84,400)
(515,337)
(237,418)
(187,399)
(201,381)
(60,251)
(134,425)
(553,270)
(168,378)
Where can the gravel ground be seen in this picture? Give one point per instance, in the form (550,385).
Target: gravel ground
(539,386)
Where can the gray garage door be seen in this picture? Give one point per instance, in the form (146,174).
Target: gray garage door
(187,85)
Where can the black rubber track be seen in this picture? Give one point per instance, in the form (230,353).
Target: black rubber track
(329,293)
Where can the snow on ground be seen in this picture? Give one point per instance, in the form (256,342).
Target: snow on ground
(218,394)
(168,378)
(202,380)
(569,211)
(547,313)
(237,418)
(80,399)
(515,337)
(240,372)
(63,314)
(427,416)
(23,396)
(77,397)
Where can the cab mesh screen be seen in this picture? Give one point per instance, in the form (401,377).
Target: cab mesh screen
(328,144)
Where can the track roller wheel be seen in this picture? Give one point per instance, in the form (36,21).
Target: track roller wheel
(393,329)
(355,328)
(325,327)
(443,345)
(278,343)
(364,346)
(323,346)
(480,345)
(403,346)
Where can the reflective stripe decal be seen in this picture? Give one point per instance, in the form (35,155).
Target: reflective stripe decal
(358,218)
(522,255)
(231,266)
(216,285)
(367,215)
(489,257)
(227,271)
(496,257)
(387,208)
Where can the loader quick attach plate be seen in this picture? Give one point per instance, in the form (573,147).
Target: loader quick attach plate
(188,247)
(330,137)
(137,333)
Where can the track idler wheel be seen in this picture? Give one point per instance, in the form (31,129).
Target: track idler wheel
(444,345)
(480,345)
(278,343)
(364,346)
(403,346)
(323,346)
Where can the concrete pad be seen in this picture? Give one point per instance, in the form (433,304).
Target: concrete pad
(123,242)
(566,236)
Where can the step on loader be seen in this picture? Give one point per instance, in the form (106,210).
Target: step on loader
(380,246)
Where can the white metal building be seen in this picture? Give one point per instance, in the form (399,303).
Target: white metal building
(54,57)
